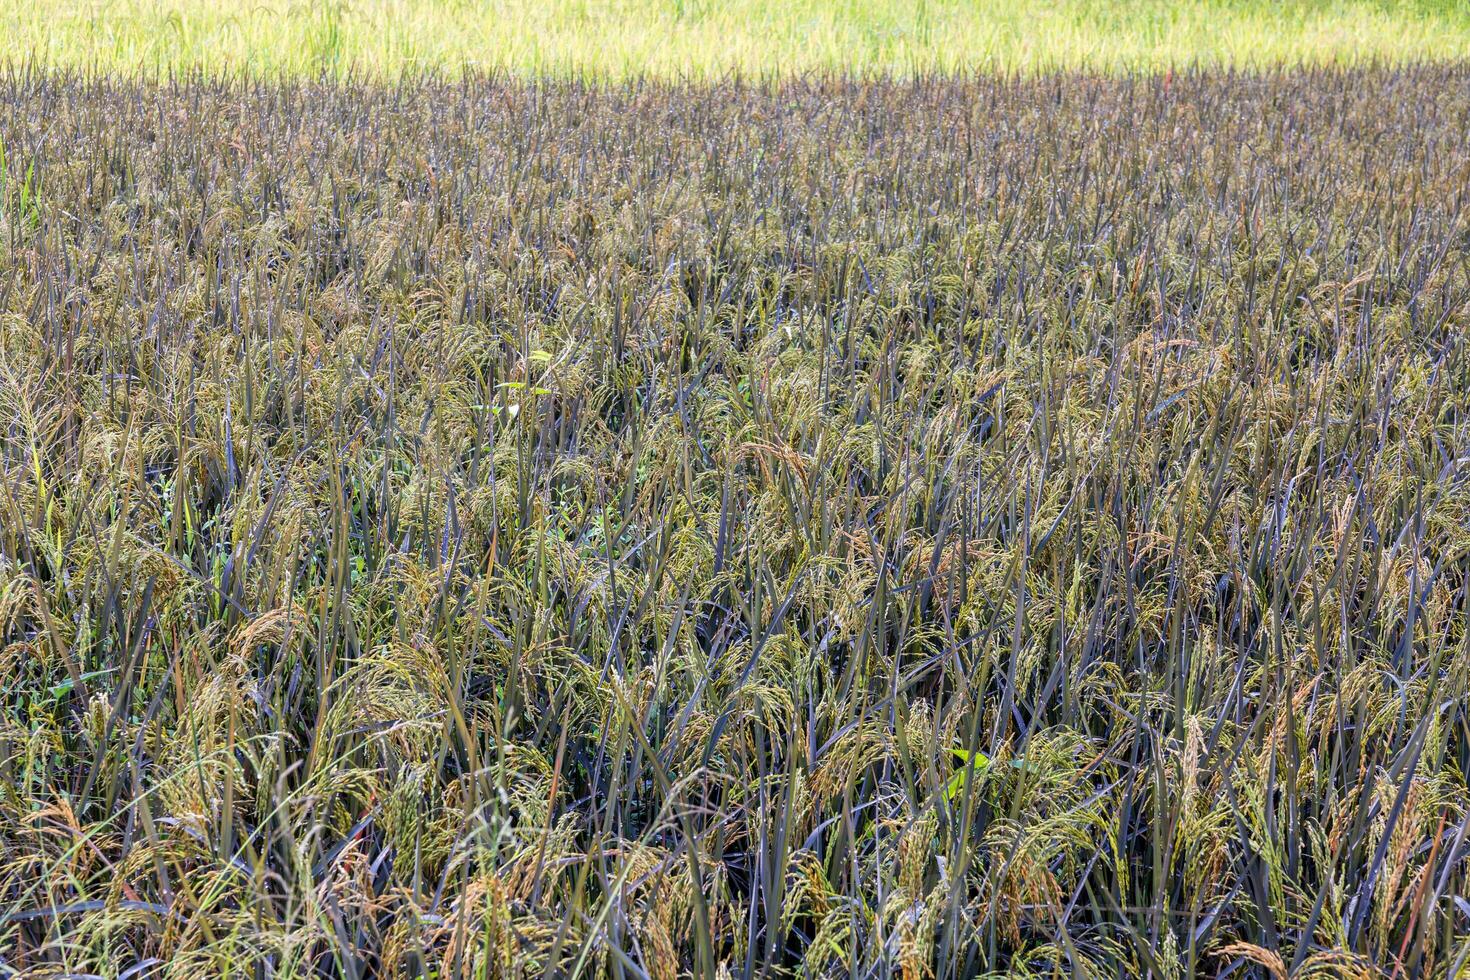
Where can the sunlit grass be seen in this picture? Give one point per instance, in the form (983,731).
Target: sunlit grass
(705,37)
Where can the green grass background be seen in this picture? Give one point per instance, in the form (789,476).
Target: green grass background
(716,37)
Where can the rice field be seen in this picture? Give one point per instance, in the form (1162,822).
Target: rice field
(706,39)
(966,525)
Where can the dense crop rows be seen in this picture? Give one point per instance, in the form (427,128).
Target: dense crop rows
(894,528)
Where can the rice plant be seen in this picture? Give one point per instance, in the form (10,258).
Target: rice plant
(939,527)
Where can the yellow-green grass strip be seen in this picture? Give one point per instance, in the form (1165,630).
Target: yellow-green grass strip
(703,38)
